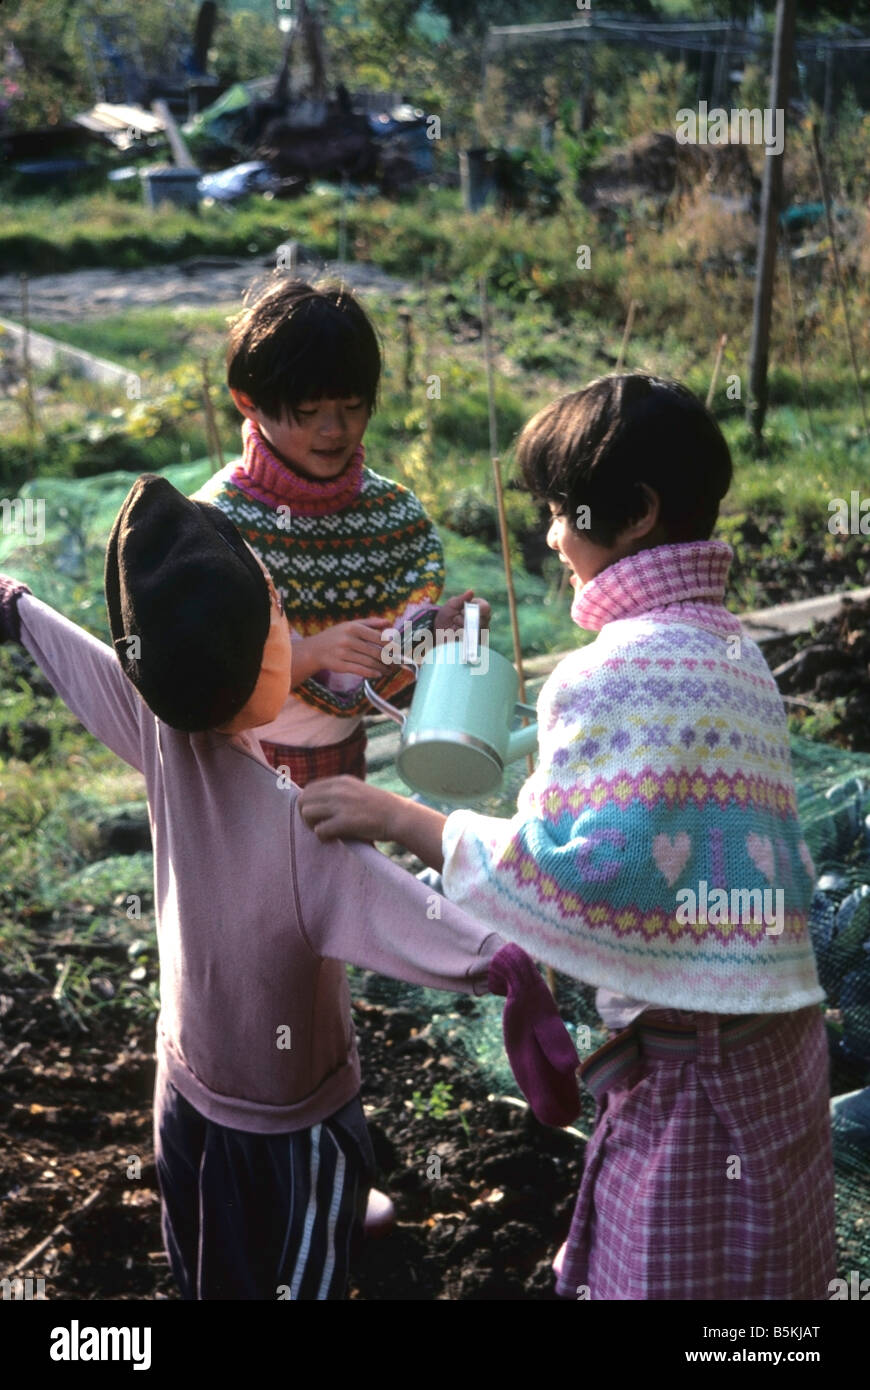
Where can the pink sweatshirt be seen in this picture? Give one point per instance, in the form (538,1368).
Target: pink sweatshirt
(255,915)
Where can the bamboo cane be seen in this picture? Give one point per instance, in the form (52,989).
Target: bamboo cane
(826,199)
(716,368)
(408,357)
(797,342)
(505,540)
(425,319)
(27,368)
(209,437)
(342,222)
(210,422)
(512,598)
(627,334)
(499,502)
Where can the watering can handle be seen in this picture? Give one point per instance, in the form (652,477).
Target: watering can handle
(471,634)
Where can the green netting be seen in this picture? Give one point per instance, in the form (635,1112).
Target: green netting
(834,796)
(56,541)
(53,536)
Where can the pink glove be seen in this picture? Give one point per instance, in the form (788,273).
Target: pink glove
(542,1056)
(10,624)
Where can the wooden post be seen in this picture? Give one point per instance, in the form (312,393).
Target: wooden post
(281,90)
(180,152)
(771,200)
(841,289)
(716,368)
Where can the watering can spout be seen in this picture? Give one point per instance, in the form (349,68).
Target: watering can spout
(525,740)
(384,705)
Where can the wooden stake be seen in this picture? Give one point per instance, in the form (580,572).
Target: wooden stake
(626,335)
(826,199)
(716,366)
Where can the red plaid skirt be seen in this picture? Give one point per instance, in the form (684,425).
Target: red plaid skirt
(310,764)
(707,1176)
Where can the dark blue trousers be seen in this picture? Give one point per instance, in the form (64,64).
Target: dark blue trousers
(260,1216)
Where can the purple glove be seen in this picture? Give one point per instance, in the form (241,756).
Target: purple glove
(542,1056)
(10,624)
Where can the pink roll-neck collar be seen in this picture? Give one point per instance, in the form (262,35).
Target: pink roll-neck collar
(260,474)
(673,583)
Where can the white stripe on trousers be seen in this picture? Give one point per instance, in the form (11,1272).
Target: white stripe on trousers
(334,1208)
(310,1214)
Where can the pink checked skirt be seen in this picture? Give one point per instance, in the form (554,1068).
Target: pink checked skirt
(310,764)
(709,1174)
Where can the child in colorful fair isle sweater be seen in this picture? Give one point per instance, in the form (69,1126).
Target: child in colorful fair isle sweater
(352,553)
(656,853)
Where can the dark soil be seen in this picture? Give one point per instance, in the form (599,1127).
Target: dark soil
(829,669)
(484,1193)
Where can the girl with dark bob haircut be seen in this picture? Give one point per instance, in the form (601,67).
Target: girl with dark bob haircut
(597,447)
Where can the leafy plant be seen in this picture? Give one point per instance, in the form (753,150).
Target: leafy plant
(439,1103)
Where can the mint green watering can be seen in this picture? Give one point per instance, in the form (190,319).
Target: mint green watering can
(456,737)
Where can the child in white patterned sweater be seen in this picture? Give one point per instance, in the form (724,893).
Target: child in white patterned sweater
(662,813)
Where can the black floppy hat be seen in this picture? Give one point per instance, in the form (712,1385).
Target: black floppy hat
(180,579)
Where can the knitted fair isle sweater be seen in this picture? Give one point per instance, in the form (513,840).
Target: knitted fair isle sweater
(664,766)
(338,549)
